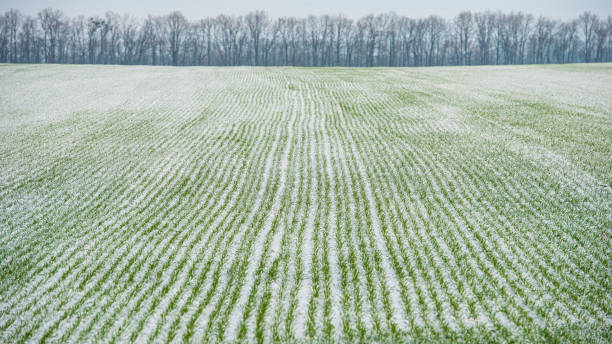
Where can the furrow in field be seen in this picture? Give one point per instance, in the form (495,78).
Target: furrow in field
(257,256)
(214,304)
(179,267)
(391,283)
(176,290)
(101,221)
(272,205)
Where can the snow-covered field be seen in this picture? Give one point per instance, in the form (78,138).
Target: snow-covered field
(162,204)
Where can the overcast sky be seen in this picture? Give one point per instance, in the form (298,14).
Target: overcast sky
(194,9)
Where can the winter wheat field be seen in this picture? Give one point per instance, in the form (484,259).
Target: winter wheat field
(159,204)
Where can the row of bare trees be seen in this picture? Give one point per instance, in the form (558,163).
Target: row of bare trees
(256,39)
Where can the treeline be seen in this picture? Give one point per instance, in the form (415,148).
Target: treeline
(256,39)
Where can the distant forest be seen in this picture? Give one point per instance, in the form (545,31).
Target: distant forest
(481,38)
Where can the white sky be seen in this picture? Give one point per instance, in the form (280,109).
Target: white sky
(194,9)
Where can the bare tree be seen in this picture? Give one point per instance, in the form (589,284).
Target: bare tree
(418,40)
(4,38)
(485,24)
(28,37)
(93,27)
(207,26)
(588,22)
(257,22)
(50,22)
(374,40)
(542,39)
(602,34)
(463,30)
(435,27)
(12,22)
(389,29)
(228,30)
(146,42)
(270,35)
(567,41)
(175,28)
(406,33)
(319,28)
(609,44)
(371,34)
(129,39)
(341,26)
(286,33)
(78,40)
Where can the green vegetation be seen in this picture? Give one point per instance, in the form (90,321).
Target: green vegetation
(464,204)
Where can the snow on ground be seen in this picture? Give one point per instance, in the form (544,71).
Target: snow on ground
(282,204)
